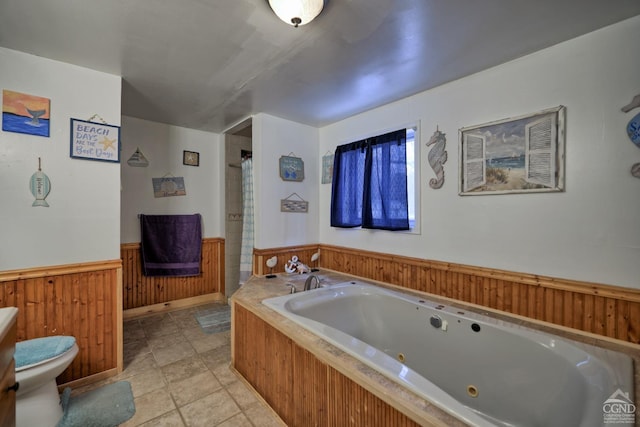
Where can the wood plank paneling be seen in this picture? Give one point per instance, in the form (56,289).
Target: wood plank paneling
(352,405)
(610,311)
(264,357)
(309,381)
(260,256)
(141,291)
(633,330)
(301,389)
(76,300)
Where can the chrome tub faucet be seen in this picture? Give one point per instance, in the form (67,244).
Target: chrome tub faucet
(310,279)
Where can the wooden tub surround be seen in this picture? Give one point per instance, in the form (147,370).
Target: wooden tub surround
(309,382)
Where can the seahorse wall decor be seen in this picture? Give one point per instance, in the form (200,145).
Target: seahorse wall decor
(437,158)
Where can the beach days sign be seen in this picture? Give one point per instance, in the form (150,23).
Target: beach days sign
(95,141)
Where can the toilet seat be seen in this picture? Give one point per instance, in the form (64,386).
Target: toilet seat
(37,351)
(38,363)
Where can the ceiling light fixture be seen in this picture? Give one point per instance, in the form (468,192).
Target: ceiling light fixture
(297,12)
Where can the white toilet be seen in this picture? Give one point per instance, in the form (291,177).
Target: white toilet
(38,362)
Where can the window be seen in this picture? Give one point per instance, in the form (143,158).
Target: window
(373,183)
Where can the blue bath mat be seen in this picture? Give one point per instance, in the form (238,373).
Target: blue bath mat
(214,319)
(107,406)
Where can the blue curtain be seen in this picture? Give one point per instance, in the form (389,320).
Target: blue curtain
(369,187)
(347,185)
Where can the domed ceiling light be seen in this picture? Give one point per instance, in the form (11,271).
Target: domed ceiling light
(297,12)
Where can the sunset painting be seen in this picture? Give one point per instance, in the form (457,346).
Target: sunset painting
(24,113)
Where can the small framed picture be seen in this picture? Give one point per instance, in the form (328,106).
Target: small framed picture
(190,158)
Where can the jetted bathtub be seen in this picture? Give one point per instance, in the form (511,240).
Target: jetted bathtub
(484,371)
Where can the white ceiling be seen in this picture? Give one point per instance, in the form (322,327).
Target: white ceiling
(207,64)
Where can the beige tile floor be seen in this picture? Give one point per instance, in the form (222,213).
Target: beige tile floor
(180,376)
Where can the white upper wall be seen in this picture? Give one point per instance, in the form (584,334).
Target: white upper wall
(163,146)
(272,138)
(589,232)
(82,223)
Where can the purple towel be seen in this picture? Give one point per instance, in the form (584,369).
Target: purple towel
(171,245)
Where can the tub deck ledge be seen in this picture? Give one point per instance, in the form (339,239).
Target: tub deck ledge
(258,288)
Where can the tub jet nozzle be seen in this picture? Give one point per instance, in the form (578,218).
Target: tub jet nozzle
(436,322)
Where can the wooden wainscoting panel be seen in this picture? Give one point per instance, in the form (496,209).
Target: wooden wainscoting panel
(240,342)
(77,300)
(633,328)
(606,310)
(303,252)
(310,389)
(300,388)
(610,311)
(352,405)
(263,356)
(141,291)
(278,371)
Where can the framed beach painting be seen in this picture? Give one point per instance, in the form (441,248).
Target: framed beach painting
(524,154)
(23,113)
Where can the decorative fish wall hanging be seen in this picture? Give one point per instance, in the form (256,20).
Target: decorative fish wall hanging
(40,186)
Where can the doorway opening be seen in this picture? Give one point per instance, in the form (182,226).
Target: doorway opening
(238,147)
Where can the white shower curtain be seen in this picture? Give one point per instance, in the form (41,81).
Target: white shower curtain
(246,251)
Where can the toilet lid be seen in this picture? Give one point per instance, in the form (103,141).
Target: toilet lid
(31,352)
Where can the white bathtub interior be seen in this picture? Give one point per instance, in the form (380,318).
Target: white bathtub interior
(483,370)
